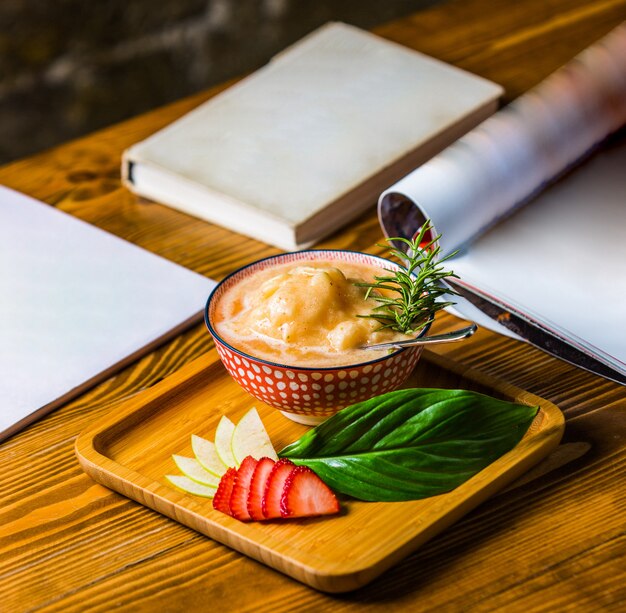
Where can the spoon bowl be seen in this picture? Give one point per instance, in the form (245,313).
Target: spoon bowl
(448,337)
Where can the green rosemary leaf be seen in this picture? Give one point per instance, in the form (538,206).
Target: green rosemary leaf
(417,283)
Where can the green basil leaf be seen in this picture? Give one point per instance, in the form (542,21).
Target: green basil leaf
(412,443)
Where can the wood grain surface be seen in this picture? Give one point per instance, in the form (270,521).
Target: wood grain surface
(555,540)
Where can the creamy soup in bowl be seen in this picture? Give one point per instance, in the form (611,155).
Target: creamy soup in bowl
(290,328)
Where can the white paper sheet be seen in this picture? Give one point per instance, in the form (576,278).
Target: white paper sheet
(562,257)
(75,302)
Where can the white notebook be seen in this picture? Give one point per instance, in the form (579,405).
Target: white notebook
(76,303)
(303,145)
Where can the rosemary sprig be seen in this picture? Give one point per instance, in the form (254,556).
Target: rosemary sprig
(417,283)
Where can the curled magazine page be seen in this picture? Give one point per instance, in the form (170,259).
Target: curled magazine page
(514,154)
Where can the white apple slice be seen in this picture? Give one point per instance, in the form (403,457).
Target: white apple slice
(207,455)
(251,439)
(223,438)
(192,487)
(194,470)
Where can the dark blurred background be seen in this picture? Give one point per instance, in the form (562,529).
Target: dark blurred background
(68,67)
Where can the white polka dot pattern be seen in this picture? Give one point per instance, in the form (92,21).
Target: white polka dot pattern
(303,396)
(308,392)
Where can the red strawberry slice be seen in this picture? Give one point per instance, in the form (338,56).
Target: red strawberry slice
(221,500)
(257,487)
(241,488)
(306,495)
(274,488)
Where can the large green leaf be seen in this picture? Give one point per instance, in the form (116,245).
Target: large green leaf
(412,443)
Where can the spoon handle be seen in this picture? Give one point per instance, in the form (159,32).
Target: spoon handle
(449,337)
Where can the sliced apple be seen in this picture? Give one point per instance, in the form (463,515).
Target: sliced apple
(206,454)
(194,470)
(191,487)
(250,438)
(223,438)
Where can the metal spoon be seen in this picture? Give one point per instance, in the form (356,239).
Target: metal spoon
(449,337)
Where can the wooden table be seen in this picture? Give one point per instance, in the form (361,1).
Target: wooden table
(553,541)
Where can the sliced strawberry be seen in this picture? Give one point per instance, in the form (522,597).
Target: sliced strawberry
(274,488)
(306,495)
(241,487)
(257,487)
(221,500)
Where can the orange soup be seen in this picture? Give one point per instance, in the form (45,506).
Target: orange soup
(303,314)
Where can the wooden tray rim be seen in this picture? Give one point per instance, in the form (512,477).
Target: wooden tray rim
(184,509)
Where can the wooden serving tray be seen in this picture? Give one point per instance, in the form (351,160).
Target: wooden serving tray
(130,452)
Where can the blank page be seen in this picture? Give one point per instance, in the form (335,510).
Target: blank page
(75,302)
(562,257)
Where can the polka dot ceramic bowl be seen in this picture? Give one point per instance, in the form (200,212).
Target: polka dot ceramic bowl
(310,395)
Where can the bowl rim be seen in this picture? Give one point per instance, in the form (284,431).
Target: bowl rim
(263,361)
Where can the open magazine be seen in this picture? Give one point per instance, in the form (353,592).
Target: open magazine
(539,259)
